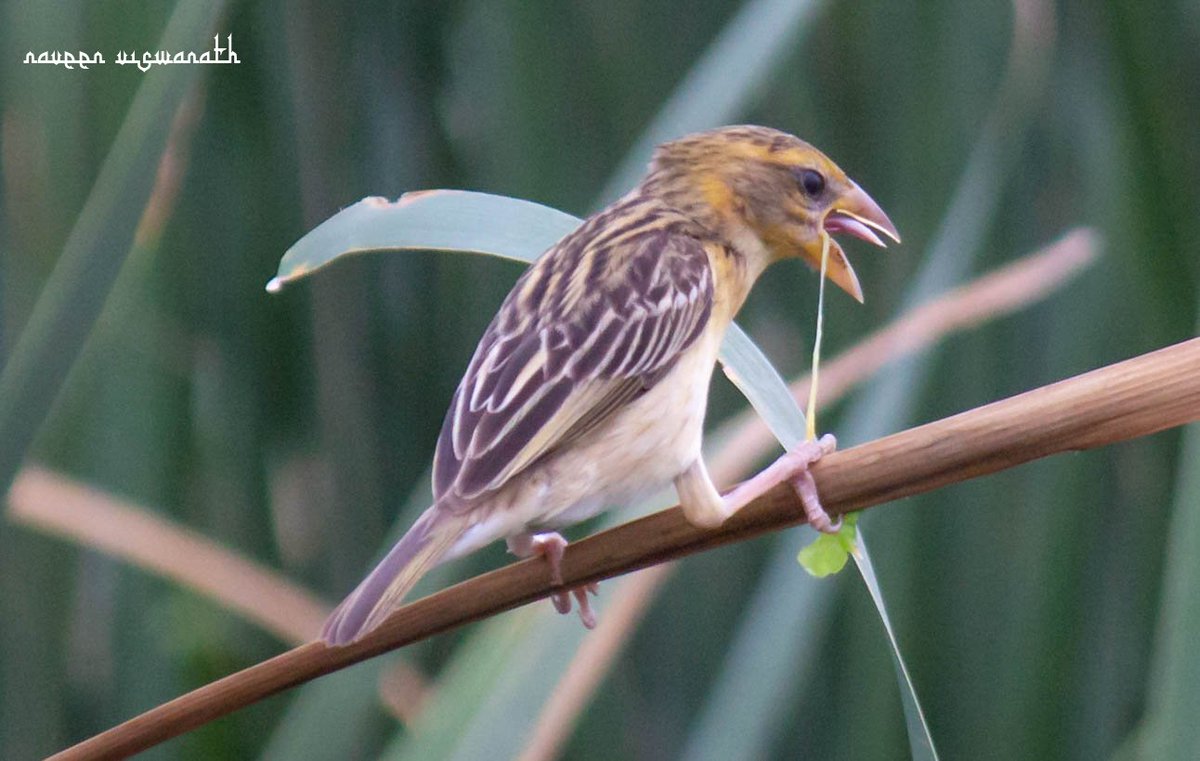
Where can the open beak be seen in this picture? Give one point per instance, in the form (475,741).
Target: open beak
(855,213)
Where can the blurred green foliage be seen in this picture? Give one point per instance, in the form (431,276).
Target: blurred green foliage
(1032,606)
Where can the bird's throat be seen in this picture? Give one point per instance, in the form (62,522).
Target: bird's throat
(736,266)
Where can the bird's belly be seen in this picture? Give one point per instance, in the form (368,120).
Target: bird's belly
(632,455)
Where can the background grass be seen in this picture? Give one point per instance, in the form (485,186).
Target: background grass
(1043,612)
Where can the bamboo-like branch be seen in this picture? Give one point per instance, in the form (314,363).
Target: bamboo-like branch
(1133,398)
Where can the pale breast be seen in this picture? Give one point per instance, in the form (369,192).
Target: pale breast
(636,453)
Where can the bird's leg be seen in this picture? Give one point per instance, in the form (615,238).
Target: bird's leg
(551,546)
(704,506)
(793,467)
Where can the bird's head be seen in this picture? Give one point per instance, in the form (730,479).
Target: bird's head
(777,187)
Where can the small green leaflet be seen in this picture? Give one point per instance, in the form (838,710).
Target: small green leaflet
(827,554)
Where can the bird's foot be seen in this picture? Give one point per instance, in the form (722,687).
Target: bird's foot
(792,467)
(798,464)
(551,546)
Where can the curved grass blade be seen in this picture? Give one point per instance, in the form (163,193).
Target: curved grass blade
(442,220)
(919,738)
(749,369)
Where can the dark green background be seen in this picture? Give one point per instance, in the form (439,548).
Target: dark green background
(1032,606)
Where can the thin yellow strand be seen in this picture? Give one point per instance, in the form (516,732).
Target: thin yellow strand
(810,414)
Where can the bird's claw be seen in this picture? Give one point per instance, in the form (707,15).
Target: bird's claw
(552,546)
(562,602)
(802,458)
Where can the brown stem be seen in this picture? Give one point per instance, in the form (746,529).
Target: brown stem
(57,505)
(50,502)
(1123,401)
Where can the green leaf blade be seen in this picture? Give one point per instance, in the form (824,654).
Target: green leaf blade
(445,220)
(748,368)
(920,739)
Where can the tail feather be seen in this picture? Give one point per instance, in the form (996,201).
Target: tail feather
(382,591)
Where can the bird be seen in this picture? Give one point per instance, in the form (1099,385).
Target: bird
(589,387)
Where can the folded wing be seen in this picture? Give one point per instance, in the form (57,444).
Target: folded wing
(585,331)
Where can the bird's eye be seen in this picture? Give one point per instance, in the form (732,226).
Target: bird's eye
(812,182)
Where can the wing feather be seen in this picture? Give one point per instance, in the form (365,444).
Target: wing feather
(554,364)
